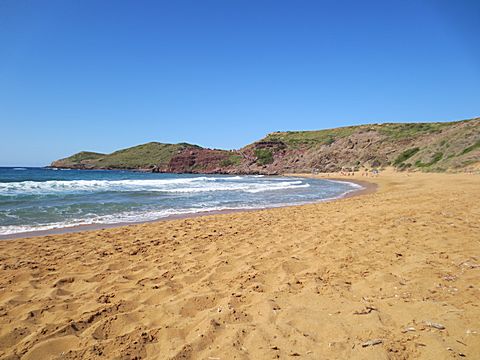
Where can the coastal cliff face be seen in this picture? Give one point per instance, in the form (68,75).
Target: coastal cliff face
(452,146)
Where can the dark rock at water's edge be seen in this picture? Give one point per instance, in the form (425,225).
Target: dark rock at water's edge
(448,146)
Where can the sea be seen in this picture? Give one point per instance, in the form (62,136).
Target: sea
(38,199)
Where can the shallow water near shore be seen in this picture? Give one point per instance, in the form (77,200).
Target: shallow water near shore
(36,199)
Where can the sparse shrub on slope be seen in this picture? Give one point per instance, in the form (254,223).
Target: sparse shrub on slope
(407,154)
(264,156)
(471,148)
(435,158)
(232,160)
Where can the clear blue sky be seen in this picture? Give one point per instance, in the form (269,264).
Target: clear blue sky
(102,75)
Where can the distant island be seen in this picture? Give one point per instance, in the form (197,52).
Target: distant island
(435,147)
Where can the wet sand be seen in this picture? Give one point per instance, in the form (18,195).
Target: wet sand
(391,274)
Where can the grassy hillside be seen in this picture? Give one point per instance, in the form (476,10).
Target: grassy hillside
(85,156)
(142,156)
(137,157)
(311,138)
(391,131)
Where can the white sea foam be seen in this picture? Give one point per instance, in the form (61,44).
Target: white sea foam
(352,184)
(190,185)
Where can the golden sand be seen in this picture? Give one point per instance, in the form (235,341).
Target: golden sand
(392,274)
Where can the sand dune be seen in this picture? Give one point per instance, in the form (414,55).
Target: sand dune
(389,275)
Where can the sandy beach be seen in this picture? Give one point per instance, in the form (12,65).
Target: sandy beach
(392,274)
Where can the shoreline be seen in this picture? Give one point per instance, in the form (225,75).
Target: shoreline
(368,187)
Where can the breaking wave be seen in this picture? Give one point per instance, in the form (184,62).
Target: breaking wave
(193,185)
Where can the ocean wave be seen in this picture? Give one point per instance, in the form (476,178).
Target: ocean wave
(352,184)
(249,188)
(189,185)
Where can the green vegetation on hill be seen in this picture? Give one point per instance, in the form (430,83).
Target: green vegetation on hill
(86,155)
(435,158)
(394,131)
(471,148)
(136,157)
(142,156)
(264,156)
(231,160)
(407,154)
(412,130)
(311,138)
